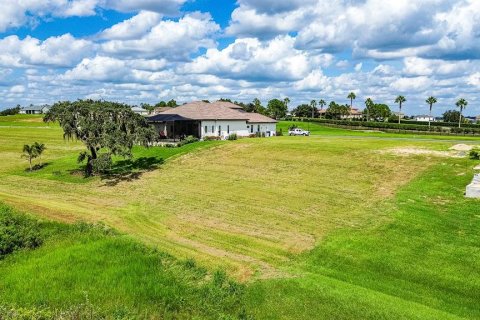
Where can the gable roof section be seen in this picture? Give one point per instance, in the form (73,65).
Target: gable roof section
(36,108)
(219,110)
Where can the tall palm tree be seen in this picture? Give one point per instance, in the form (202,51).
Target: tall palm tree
(431,101)
(286,101)
(352,97)
(462,104)
(321,103)
(313,105)
(368,103)
(400,100)
(30,153)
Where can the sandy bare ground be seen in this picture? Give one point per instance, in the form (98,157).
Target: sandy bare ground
(457,151)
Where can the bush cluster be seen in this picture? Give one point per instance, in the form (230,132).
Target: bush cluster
(475,155)
(17,232)
(211,138)
(232,136)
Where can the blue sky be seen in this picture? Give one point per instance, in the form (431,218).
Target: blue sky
(137,51)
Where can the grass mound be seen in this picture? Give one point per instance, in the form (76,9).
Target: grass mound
(85,271)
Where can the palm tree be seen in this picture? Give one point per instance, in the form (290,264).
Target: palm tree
(431,101)
(462,104)
(39,148)
(286,101)
(321,103)
(313,105)
(368,103)
(400,100)
(30,153)
(352,97)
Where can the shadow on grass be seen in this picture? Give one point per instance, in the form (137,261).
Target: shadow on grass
(129,170)
(38,167)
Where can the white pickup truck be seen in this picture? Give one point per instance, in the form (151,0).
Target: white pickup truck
(298,132)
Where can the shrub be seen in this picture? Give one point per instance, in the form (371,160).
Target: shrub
(17,232)
(187,140)
(279,133)
(232,136)
(474,155)
(211,138)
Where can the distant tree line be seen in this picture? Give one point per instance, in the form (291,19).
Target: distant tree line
(10,111)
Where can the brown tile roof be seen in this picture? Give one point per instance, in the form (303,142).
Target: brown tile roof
(161,109)
(219,110)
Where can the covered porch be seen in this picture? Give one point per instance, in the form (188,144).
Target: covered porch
(173,127)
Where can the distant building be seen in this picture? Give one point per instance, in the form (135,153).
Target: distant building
(140,111)
(34,109)
(399,114)
(471,119)
(354,114)
(425,118)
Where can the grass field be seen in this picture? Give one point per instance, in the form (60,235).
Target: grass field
(316,227)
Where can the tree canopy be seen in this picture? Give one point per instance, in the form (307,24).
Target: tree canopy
(277,109)
(377,111)
(336,111)
(305,111)
(106,129)
(451,116)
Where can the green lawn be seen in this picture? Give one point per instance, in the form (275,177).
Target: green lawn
(327,226)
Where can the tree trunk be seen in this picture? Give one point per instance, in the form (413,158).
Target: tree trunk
(429,117)
(30,162)
(399,112)
(460,119)
(90,160)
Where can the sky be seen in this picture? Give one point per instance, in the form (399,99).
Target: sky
(136,51)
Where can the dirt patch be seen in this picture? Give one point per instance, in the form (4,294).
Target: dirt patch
(411,151)
(461,147)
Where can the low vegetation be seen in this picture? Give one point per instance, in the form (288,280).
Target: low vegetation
(17,232)
(88,271)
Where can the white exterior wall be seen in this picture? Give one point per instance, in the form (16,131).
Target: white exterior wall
(236,126)
(425,119)
(270,129)
(241,128)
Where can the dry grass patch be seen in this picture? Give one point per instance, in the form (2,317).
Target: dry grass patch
(249,206)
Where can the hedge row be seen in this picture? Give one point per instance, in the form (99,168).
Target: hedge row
(396,126)
(438,123)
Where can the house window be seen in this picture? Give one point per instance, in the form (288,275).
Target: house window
(219,130)
(251,129)
(206,129)
(258,128)
(213,129)
(228,129)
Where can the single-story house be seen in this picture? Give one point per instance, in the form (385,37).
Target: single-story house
(34,109)
(399,114)
(140,111)
(425,118)
(354,114)
(216,119)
